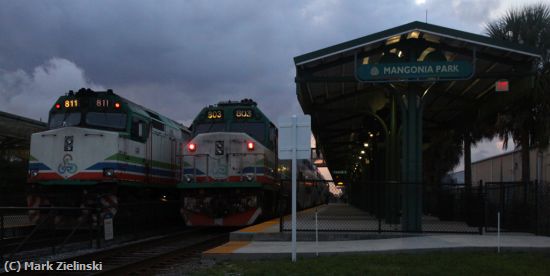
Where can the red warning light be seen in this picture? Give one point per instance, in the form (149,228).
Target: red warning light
(117,105)
(250,145)
(192,147)
(502,86)
(57,106)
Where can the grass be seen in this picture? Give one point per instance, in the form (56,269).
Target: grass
(441,263)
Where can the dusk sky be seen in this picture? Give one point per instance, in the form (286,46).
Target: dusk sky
(178,56)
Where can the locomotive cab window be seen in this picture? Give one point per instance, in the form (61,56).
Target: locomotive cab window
(58,120)
(255,130)
(106,120)
(208,127)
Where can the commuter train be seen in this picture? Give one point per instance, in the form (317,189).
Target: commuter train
(103,149)
(230,168)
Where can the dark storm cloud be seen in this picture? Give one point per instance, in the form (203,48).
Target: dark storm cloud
(178,56)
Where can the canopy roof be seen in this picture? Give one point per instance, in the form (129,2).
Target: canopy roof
(345,112)
(15,131)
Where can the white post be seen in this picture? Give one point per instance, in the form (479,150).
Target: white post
(294,149)
(316,235)
(498,232)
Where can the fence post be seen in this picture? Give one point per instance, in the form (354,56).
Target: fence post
(53,230)
(98,228)
(482,205)
(90,226)
(2,225)
(484,202)
(536,207)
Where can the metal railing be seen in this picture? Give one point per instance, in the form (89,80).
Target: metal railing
(61,229)
(378,207)
(20,233)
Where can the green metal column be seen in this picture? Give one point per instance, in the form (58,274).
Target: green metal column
(411,177)
(391,190)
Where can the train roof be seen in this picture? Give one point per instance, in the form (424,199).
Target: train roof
(132,106)
(232,105)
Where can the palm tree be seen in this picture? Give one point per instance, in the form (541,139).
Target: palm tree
(527,116)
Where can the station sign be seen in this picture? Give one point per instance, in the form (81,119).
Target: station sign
(415,71)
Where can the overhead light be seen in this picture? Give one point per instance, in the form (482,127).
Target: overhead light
(362,152)
(371,135)
(414,34)
(360,157)
(393,39)
(366,145)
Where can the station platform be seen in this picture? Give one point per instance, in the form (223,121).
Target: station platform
(265,240)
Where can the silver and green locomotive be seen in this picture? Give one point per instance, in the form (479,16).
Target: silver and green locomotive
(103,149)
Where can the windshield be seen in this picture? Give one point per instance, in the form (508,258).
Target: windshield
(210,127)
(107,120)
(58,120)
(256,130)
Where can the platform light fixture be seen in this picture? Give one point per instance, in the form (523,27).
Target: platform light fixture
(393,39)
(366,145)
(414,34)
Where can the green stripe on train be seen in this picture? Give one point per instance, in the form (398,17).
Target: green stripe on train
(138,160)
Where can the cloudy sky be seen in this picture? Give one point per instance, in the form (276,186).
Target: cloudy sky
(178,56)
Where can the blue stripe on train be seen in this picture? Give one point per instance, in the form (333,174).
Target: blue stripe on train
(38,167)
(192,171)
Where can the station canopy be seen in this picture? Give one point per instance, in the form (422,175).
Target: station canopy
(15,131)
(346,112)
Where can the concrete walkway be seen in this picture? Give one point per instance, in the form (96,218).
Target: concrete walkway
(277,249)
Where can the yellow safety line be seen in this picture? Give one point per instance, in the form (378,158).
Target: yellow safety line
(262,226)
(229,247)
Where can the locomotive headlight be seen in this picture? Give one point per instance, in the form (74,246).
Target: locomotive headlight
(249,177)
(188,178)
(34,173)
(192,147)
(108,172)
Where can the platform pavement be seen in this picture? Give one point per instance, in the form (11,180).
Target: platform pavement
(266,241)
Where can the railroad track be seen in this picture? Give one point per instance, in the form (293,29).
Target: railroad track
(153,256)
